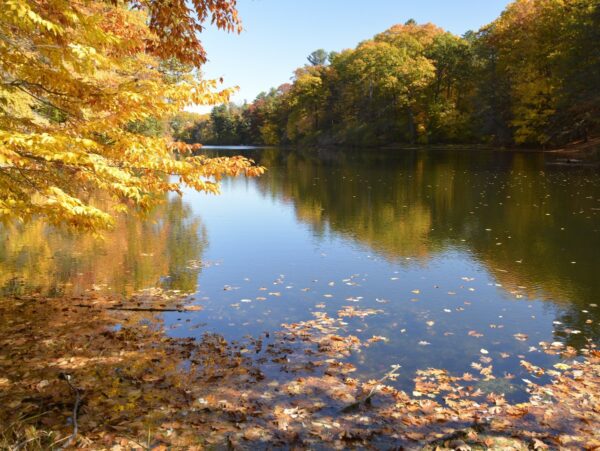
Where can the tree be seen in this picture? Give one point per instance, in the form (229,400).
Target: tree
(77,81)
(577,60)
(547,54)
(318,57)
(307,98)
(524,57)
(531,77)
(182,125)
(388,75)
(449,106)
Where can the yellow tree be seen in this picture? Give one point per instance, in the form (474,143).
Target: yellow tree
(528,38)
(307,99)
(74,78)
(391,78)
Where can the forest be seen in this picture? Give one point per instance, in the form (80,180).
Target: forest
(530,78)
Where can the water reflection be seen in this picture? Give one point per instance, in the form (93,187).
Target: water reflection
(535,226)
(163,249)
(457,251)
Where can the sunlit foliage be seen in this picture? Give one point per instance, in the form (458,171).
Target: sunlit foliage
(84,89)
(545,52)
(531,78)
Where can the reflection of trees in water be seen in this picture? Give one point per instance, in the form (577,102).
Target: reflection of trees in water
(414,204)
(161,249)
(362,201)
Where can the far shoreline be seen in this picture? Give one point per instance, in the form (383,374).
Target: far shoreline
(587,152)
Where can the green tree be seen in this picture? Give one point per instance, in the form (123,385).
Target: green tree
(318,57)
(307,99)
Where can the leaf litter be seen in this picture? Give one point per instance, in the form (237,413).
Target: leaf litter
(283,388)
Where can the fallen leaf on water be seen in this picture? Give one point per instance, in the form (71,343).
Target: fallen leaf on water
(377,338)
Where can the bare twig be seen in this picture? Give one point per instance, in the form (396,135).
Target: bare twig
(23,419)
(68,377)
(389,375)
(44,101)
(23,443)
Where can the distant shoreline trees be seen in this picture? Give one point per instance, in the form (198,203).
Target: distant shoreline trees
(531,77)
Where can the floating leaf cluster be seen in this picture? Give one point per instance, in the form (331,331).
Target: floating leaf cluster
(142,389)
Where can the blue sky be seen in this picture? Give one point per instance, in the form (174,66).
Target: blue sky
(279,34)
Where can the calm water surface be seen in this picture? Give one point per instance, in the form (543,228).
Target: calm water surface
(459,251)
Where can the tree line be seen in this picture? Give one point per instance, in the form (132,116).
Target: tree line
(530,78)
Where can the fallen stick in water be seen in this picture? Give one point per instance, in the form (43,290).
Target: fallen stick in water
(68,377)
(366,400)
(132,309)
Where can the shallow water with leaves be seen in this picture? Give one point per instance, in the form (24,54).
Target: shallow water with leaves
(468,261)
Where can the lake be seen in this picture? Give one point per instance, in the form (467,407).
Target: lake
(450,259)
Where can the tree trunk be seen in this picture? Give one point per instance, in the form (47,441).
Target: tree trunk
(411,126)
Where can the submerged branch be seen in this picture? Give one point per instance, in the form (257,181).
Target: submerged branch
(132,309)
(67,377)
(393,373)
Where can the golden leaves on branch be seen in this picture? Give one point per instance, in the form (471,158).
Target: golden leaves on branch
(177,24)
(75,79)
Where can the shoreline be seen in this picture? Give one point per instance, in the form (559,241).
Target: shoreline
(588,151)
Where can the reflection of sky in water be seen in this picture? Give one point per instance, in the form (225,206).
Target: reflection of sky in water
(496,244)
(258,242)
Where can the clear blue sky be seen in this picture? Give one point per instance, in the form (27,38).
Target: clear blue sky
(279,34)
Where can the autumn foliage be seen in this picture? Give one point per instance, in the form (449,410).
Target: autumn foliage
(76,80)
(530,78)
(142,389)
